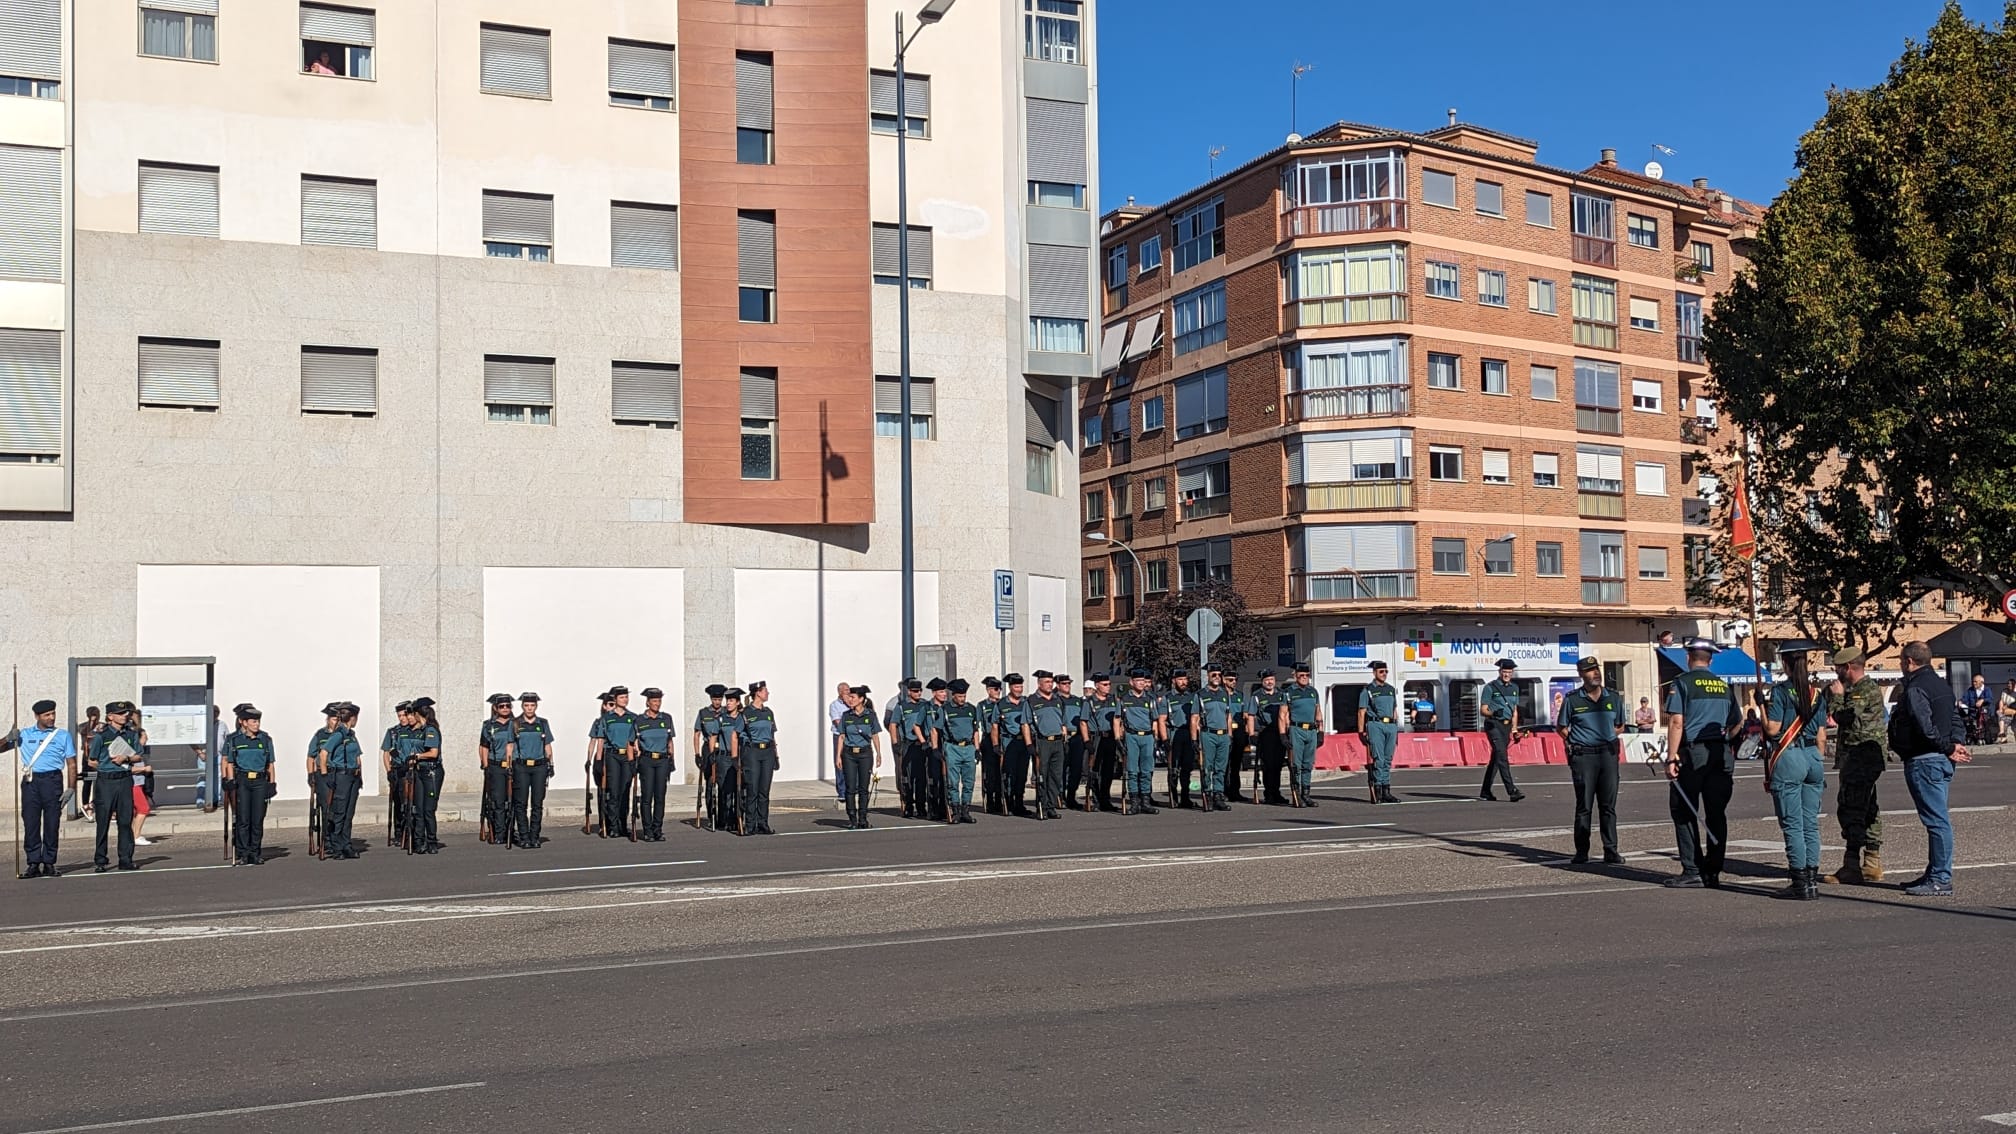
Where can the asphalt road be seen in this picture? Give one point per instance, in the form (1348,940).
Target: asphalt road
(1435,966)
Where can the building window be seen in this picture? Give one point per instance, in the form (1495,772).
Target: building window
(1051,194)
(1545,380)
(30,88)
(187,34)
(887,256)
(518,226)
(1093,427)
(1497,556)
(1444,372)
(1641,231)
(1546,470)
(1152,410)
(1491,198)
(1442,280)
(1058,166)
(339,211)
(889,407)
(1644,314)
(1154,494)
(1200,403)
(1202,561)
(1116,270)
(1687,326)
(180,374)
(516,61)
(178,199)
(916,103)
(1651,478)
(1595,312)
(756,265)
(1062,336)
(759,423)
(1365,284)
(1199,317)
(1095,506)
(1645,395)
(1490,287)
(1451,556)
(1155,572)
(644,393)
(643,236)
(339,380)
(1595,228)
(1497,466)
(1547,559)
(31,428)
(517,389)
(1041,415)
(1200,233)
(1051,30)
(1354,378)
(1599,469)
(642,75)
(1205,490)
(1704,255)
(1539,209)
(1602,568)
(1120,419)
(755,123)
(1438,188)
(1494,376)
(1445,462)
(1652,563)
(1095,584)
(1597,405)
(337,41)
(1151,254)
(1540,296)
(1060,297)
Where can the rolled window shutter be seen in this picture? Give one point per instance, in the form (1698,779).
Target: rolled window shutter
(1588,466)
(1651,479)
(1592,553)
(882,92)
(517,218)
(1383,451)
(883,239)
(1060,281)
(31,203)
(1497,464)
(178,199)
(923,396)
(759,395)
(31,37)
(1612,467)
(1191,481)
(1546,463)
(643,69)
(1040,418)
(199,7)
(643,236)
(753,94)
(1326,462)
(31,393)
(517,381)
(756,249)
(1383,547)
(339,211)
(920,253)
(334,380)
(355,26)
(517,61)
(644,391)
(178,373)
(1056,141)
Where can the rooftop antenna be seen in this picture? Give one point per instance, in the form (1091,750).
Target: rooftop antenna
(1212,158)
(1294,94)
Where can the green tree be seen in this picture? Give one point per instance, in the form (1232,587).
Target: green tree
(1868,353)
(1160,641)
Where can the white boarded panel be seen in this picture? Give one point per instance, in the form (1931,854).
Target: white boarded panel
(1044,599)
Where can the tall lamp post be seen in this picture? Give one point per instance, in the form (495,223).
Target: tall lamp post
(1140,574)
(931,13)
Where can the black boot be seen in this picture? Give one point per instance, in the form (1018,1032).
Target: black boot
(1147,804)
(1810,883)
(1796,892)
(1218,802)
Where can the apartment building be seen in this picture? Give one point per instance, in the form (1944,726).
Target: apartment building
(454,347)
(1421,398)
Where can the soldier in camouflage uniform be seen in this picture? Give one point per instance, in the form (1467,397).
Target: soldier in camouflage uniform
(1858,760)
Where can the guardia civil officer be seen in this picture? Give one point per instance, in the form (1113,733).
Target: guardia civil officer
(1013,737)
(1218,709)
(959,726)
(248,775)
(1049,711)
(1102,709)
(619,761)
(654,763)
(1269,730)
(937,803)
(115,748)
(427,776)
(599,775)
(1795,725)
(991,791)
(733,776)
(1304,722)
(1500,708)
(914,720)
(1702,722)
(711,755)
(1379,728)
(860,754)
(393,752)
(493,754)
(757,744)
(1182,703)
(338,763)
(48,769)
(1074,743)
(318,784)
(1138,727)
(1591,723)
(531,767)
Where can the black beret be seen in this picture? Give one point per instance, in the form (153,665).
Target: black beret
(118,707)
(500,698)
(619,690)
(859,690)
(717,690)
(1013,679)
(958,685)
(935,684)
(1507,663)
(653,691)
(991,682)
(1587,663)
(419,703)
(529,698)
(43,706)
(1042,673)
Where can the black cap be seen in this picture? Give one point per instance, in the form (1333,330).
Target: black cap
(1587,663)
(250,713)
(935,684)
(528,698)
(913,685)
(991,682)
(1214,669)
(1013,679)
(1179,671)
(1102,675)
(958,685)
(605,696)
(1137,671)
(240,707)
(1265,674)
(735,694)
(401,707)
(418,703)
(1042,673)
(1803,646)
(118,707)
(351,708)
(758,686)
(1301,667)
(1378,665)
(43,706)
(499,699)
(1699,645)
(332,709)
(717,690)
(616,691)
(653,691)
(1507,663)
(1063,679)
(859,690)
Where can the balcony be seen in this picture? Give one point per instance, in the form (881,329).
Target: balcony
(1602,592)
(1599,419)
(1357,216)
(1205,507)
(1342,311)
(1599,505)
(1307,588)
(1688,347)
(1354,496)
(1595,250)
(1332,402)
(1602,336)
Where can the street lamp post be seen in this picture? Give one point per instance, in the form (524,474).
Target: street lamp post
(931,13)
(1140,574)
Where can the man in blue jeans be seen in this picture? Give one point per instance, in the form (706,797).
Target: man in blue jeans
(1925,731)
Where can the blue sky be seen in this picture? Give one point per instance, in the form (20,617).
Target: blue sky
(1729,86)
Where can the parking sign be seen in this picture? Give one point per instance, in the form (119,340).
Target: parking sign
(1004,600)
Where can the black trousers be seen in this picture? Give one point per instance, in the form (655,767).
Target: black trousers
(115,798)
(248,824)
(622,773)
(1105,768)
(426,801)
(1074,768)
(858,765)
(759,767)
(727,793)
(342,785)
(497,798)
(654,775)
(917,759)
(1049,773)
(1594,773)
(1273,757)
(42,816)
(934,783)
(1708,776)
(990,778)
(1018,757)
(1182,762)
(1500,736)
(528,798)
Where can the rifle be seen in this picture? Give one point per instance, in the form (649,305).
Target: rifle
(486,824)
(590,820)
(315,839)
(636,801)
(397,775)
(1169,754)
(741,790)
(945,778)
(230,805)
(510,807)
(406,815)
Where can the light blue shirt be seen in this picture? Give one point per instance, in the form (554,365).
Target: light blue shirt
(61,747)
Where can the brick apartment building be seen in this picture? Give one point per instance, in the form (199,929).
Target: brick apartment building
(1419,397)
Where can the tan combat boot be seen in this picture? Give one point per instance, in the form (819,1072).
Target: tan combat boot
(1872,865)
(1849,873)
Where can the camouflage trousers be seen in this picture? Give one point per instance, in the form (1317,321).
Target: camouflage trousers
(1858,767)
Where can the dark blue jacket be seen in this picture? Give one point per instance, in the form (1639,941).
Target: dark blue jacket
(1925,717)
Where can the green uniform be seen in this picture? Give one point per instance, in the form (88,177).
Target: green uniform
(1709,717)
(1138,714)
(1305,733)
(1381,705)
(1590,725)
(1860,725)
(960,727)
(1217,708)
(1501,699)
(1798,777)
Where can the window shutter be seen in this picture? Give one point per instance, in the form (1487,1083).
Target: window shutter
(643,236)
(1497,464)
(1592,553)
(1192,481)
(1147,337)
(355,26)
(178,373)
(1548,464)
(759,395)
(1060,281)
(31,200)
(1645,310)
(517,61)
(1652,562)
(923,396)
(642,69)
(199,7)
(511,381)
(1056,141)
(335,380)
(643,391)
(178,199)
(885,249)
(339,211)
(922,253)
(1611,466)
(882,94)
(517,218)
(31,36)
(1588,465)
(1358,547)
(31,393)
(1651,479)
(753,81)
(883,237)
(1041,419)
(756,249)
(1111,341)
(1326,462)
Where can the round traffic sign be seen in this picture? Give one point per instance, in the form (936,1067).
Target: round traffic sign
(2009,606)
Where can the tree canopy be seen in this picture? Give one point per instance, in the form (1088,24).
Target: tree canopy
(1160,641)
(1869,355)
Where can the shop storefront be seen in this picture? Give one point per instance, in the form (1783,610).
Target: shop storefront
(1442,672)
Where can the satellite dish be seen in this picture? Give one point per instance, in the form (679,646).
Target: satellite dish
(1654,170)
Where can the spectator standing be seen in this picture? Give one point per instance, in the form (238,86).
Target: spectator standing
(1925,733)
(1645,718)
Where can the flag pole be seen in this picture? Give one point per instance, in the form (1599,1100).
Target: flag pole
(1743,538)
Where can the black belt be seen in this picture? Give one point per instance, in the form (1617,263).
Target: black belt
(50,772)
(1305,726)
(1059,736)
(1141,732)
(426,759)
(1382,720)
(853,748)
(1219,731)
(250,775)
(1598,748)
(761,744)
(530,763)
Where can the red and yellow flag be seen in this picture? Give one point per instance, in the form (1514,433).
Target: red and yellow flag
(1742,533)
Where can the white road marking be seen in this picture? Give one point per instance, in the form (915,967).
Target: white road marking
(80,872)
(869,830)
(2008,1119)
(1306,829)
(269,1107)
(582,869)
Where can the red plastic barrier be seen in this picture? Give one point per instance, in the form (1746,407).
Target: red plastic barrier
(1428,750)
(1539,748)
(1476,748)
(1342,752)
